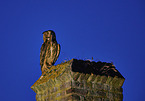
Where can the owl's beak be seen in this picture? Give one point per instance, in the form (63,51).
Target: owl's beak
(48,38)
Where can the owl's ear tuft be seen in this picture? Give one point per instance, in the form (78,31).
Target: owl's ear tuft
(51,31)
(44,32)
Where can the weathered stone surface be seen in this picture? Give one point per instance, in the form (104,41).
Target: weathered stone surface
(78,91)
(78,80)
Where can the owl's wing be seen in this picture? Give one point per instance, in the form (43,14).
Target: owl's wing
(58,50)
(42,54)
(57,53)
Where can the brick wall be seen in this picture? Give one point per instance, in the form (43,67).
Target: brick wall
(78,80)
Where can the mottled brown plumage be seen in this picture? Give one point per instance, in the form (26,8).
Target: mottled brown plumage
(50,50)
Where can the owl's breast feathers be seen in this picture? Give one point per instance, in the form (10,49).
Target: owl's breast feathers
(49,53)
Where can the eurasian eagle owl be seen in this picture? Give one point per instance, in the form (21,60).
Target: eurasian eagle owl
(50,50)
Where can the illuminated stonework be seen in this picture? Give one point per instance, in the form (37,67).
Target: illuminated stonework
(78,80)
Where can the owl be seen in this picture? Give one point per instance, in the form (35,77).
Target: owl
(50,50)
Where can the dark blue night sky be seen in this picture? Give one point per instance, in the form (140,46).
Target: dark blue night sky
(107,30)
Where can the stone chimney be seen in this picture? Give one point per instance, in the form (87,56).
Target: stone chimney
(78,80)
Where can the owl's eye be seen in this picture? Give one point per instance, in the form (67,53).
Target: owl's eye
(53,35)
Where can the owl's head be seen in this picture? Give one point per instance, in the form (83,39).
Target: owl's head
(49,36)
